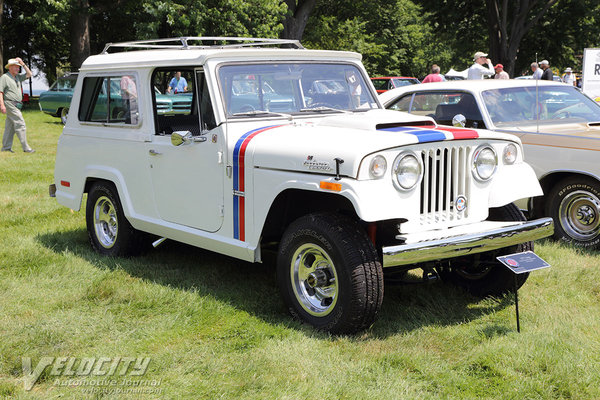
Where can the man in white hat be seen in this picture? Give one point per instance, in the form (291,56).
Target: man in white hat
(477,70)
(569,77)
(11,97)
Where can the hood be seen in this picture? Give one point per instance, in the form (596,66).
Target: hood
(313,146)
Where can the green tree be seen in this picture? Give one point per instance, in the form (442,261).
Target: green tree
(392,35)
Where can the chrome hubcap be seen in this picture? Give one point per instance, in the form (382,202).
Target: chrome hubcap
(314,280)
(106,224)
(579,215)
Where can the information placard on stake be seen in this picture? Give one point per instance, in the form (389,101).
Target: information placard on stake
(520,263)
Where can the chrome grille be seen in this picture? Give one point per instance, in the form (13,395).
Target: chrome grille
(446,175)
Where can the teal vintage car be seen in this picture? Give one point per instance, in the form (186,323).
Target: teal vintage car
(57,100)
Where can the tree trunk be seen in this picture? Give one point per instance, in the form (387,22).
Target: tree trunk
(1,38)
(505,39)
(80,33)
(297,16)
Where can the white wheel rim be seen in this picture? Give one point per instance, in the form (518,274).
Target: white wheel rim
(314,280)
(106,224)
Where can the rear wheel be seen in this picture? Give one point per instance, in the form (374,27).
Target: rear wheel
(574,204)
(483,275)
(108,230)
(329,273)
(64,112)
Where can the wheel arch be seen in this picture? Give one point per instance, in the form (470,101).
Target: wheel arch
(291,204)
(537,205)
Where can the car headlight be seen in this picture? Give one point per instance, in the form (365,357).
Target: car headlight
(485,162)
(378,167)
(509,154)
(407,171)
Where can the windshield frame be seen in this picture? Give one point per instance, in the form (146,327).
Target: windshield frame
(318,112)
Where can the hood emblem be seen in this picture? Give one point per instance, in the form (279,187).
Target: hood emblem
(460,203)
(316,165)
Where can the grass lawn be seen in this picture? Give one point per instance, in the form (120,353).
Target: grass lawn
(215,327)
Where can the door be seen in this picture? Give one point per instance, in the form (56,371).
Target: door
(187,179)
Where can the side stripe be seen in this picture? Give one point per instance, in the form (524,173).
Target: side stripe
(239,181)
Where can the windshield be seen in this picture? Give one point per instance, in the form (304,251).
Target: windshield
(64,84)
(555,104)
(291,88)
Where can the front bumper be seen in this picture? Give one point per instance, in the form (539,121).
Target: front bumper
(464,240)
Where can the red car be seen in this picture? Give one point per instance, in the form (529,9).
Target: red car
(385,83)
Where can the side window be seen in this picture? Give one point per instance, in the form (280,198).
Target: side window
(207,114)
(175,101)
(110,99)
(403,104)
(448,104)
(380,84)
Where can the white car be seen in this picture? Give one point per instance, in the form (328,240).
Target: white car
(344,188)
(561,139)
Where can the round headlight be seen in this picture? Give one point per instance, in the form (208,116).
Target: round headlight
(509,154)
(378,167)
(485,162)
(407,171)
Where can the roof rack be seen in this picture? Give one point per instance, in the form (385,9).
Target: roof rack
(182,43)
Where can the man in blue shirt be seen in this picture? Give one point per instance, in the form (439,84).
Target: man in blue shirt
(178,84)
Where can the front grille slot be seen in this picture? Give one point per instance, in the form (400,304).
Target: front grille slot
(446,176)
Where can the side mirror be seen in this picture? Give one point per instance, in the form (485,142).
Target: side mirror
(179,138)
(459,121)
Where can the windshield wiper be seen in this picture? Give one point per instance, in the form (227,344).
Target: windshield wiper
(323,108)
(260,112)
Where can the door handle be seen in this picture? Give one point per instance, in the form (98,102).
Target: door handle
(154,153)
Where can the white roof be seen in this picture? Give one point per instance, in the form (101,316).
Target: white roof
(181,57)
(474,85)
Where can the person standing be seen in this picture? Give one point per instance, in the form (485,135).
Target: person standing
(569,77)
(178,84)
(500,72)
(11,97)
(434,76)
(537,72)
(547,75)
(477,70)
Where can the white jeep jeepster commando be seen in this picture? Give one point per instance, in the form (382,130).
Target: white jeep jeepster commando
(266,144)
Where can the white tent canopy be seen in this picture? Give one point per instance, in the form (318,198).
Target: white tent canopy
(459,74)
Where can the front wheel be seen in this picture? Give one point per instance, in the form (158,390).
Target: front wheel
(574,204)
(329,273)
(483,275)
(108,230)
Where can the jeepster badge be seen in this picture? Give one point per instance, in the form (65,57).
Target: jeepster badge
(460,203)
(313,164)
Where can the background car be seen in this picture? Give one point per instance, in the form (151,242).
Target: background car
(383,84)
(560,130)
(56,100)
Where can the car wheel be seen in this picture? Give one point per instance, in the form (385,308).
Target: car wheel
(483,275)
(108,230)
(64,112)
(329,273)
(574,204)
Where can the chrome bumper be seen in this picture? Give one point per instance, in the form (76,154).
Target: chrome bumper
(465,240)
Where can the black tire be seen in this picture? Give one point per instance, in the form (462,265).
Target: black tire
(64,113)
(109,231)
(481,274)
(574,205)
(336,247)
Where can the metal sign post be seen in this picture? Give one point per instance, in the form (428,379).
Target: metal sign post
(521,263)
